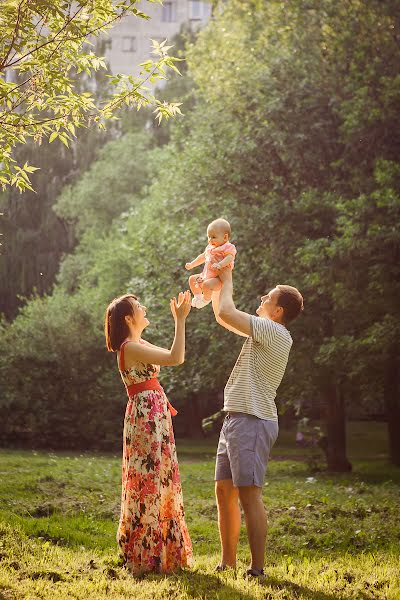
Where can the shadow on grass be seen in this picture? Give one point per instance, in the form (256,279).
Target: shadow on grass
(72,531)
(295,590)
(209,586)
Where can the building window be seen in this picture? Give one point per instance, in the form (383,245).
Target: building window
(169,12)
(196,9)
(128,44)
(108,45)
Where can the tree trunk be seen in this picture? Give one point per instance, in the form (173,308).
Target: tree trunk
(193,417)
(336,430)
(392,404)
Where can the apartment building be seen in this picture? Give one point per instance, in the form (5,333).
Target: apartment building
(128,43)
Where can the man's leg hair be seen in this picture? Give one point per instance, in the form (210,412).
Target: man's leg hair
(256,523)
(228,520)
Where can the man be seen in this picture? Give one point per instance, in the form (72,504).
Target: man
(251,425)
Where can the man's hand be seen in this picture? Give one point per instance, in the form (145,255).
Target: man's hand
(216,266)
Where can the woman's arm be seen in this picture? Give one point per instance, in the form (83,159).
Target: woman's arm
(148,353)
(215,305)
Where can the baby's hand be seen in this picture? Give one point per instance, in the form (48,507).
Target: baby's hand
(188,266)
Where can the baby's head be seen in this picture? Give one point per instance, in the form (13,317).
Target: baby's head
(218,232)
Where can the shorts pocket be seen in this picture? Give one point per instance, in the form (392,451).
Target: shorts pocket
(243,434)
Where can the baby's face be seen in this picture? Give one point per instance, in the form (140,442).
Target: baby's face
(216,237)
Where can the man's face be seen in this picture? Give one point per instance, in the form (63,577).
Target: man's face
(269,308)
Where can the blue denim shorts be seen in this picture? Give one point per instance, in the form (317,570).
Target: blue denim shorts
(244,447)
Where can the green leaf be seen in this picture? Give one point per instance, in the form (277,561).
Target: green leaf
(64,139)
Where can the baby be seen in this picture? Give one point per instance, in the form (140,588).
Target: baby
(219,253)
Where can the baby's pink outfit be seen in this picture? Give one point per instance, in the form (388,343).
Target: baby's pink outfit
(216,254)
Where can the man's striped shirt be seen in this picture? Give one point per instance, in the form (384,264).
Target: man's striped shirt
(252,385)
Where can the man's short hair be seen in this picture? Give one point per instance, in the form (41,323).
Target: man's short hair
(291,301)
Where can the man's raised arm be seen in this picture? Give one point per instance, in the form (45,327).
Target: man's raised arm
(225,310)
(215,305)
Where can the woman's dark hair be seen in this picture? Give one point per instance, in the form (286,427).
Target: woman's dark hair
(115,327)
(291,301)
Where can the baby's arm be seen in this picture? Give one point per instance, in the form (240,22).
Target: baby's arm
(224,262)
(201,259)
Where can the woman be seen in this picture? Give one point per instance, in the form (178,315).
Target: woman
(152,532)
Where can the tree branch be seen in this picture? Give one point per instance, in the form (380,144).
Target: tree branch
(15,32)
(64,115)
(68,22)
(71,39)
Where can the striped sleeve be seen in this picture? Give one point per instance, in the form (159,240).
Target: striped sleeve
(262,330)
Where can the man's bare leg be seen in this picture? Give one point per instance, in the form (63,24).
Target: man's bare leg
(256,523)
(228,520)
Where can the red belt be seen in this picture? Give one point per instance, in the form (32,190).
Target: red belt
(149,384)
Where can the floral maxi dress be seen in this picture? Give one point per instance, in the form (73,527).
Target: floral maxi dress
(152,532)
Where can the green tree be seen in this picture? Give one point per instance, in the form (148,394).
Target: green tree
(34,237)
(269,146)
(43,45)
(329,76)
(367,252)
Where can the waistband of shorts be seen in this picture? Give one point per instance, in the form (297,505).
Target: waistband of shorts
(231,413)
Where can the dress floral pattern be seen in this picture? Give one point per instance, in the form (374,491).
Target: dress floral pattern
(152,532)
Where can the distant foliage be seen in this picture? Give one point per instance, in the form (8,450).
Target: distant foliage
(294,138)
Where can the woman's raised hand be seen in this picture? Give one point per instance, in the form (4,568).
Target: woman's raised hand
(180,307)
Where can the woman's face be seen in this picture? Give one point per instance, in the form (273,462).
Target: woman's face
(139,314)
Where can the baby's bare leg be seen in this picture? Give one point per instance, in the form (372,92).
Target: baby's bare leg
(211,285)
(195,284)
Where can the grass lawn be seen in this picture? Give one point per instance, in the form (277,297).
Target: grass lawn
(331,536)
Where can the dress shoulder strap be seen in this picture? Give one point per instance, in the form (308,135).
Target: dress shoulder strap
(122,356)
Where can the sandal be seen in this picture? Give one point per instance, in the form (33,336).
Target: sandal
(255,574)
(220,568)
